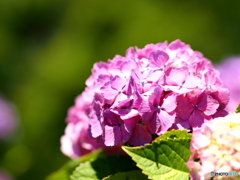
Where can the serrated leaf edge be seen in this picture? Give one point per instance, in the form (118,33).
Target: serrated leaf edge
(176,130)
(143,171)
(125,148)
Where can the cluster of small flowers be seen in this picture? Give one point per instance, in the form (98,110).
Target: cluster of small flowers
(149,91)
(216,147)
(230,75)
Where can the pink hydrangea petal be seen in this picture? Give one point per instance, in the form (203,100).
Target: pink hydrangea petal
(136,76)
(117,83)
(111,118)
(196,119)
(68,148)
(130,87)
(155,76)
(112,135)
(222,96)
(181,124)
(137,100)
(123,107)
(140,135)
(126,68)
(158,58)
(96,127)
(114,126)
(144,107)
(176,76)
(220,113)
(108,92)
(95,120)
(169,102)
(98,68)
(98,98)
(77,141)
(130,123)
(184,107)
(120,98)
(177,44)
(164,121)
(132,113)
(194,96)
(212,106)
(156,95)
(149,119)
(130,54)
(124,102)
(101,80)
(192,82)
(126,132)
(202,101)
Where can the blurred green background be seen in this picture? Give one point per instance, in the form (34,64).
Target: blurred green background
(48,47)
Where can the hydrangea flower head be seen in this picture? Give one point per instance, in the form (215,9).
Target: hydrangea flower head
(150,91)
(216,146)
(230,75)
(8,119)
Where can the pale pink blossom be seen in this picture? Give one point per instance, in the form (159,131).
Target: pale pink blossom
(215,147)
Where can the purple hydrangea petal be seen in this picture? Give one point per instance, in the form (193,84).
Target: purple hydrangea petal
(155,97)
(181,124)
(164,121)
(140,135)
(212,106)
(196,119)
(158,58)
(144,107)
(132,113)
(184,107)
(108,92)
(112,135)
(118,83)
(175,76)
(169,102)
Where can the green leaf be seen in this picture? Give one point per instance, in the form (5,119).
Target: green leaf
(164,158)
(238,109)
(64,172)
(130,175)
(174,134)
(103,167)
